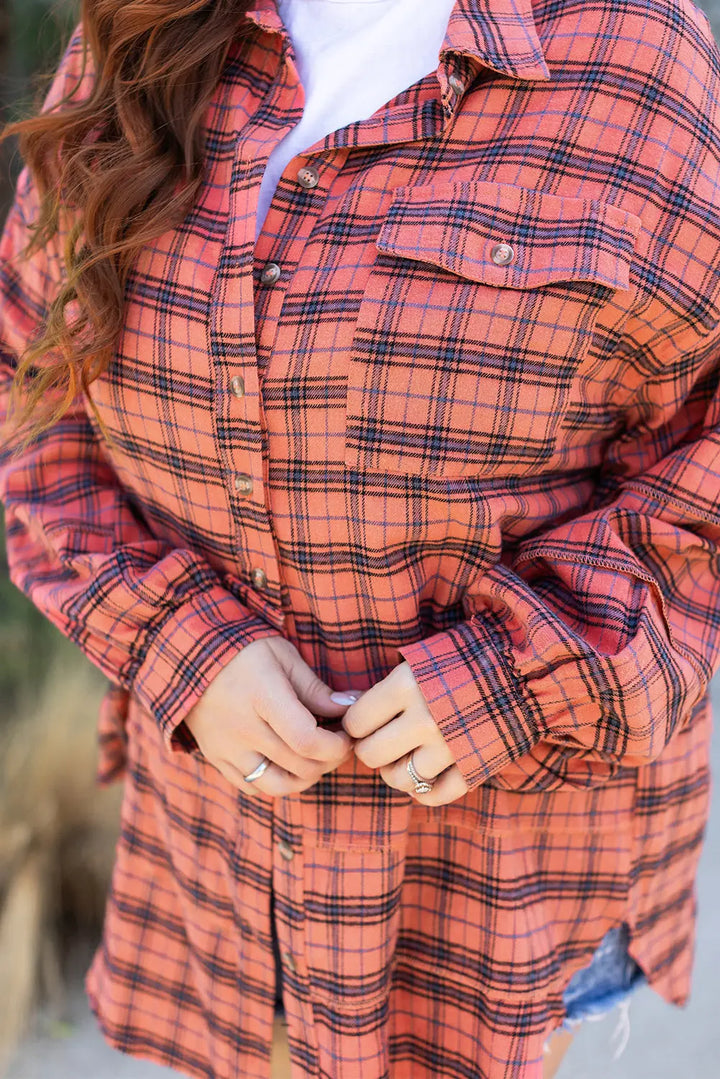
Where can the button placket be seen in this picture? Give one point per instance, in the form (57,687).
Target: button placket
(243,434)
(288,883)
(239,422)
(270,294)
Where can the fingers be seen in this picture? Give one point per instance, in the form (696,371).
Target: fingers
(381,702)
(447,787)
(297,727)
(391,721)
(431,760)
(269,744)
(395,739)
(253,706)
(289,697)
(317,697)
(429,763)
(274,783)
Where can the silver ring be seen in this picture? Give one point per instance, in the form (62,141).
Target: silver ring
(422,786)
(259,771)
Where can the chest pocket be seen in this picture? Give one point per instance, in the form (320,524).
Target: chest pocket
(477,314)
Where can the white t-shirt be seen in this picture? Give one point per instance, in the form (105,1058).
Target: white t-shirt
(353,56)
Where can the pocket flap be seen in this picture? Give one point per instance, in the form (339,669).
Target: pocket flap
(458,225)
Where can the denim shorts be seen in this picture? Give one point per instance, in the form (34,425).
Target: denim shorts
(610,980)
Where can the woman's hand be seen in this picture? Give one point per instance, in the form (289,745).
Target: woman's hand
(263,704)
(391,721)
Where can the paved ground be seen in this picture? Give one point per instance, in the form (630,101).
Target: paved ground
(712,7)
(666,1042)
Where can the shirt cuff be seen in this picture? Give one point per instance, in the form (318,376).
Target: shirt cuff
(475,697)
(187,652)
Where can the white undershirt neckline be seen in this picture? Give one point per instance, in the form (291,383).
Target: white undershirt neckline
(353,56)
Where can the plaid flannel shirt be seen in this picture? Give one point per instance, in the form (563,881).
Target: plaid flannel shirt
(471,422)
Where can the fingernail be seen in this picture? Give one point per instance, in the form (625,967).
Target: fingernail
(344,698)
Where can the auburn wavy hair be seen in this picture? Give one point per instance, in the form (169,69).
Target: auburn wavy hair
(115,166)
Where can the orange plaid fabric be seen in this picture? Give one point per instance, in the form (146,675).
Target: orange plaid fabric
(468,417)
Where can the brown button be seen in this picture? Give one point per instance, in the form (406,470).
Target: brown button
(237,385)
(259,578)
(502,254)
(243,484)
(286,850)
(308,177)
(289,961)
(271,274)
(456,84)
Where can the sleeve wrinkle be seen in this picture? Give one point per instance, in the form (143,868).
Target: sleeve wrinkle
(593,647)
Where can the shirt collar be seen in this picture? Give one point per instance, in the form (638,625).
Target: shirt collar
(265,14)
(498,34)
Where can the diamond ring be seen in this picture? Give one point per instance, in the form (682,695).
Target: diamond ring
(422,786)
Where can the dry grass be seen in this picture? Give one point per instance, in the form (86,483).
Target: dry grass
(21,945)
(57,836)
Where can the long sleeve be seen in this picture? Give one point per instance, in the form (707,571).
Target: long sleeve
(155,619)
(588,646)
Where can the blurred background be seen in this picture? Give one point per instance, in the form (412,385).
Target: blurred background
(57,830)
(57,827)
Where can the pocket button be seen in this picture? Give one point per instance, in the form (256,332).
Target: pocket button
(502,254)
